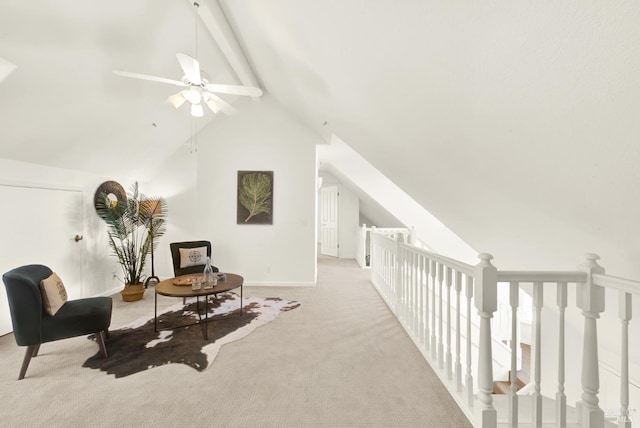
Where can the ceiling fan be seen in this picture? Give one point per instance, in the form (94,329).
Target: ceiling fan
(197,88)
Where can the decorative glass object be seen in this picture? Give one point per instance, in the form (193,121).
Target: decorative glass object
(208,275)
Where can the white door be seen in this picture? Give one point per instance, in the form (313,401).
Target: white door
(329,221)
(38,226)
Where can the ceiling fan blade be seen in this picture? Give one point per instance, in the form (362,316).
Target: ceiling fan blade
(214,101)
(148,77)
(191,68)
(249,91)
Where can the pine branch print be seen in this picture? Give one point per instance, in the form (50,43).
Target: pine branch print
(255,194)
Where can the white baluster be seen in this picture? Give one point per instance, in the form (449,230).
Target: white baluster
(561,399)
(625,316)
(458,334)
(418,302)
(425,272)
(404,290)
(390,260)
(381,261)
(537,353)
(397,301)
(434,344)
(362,246)
(407,288)
(440,316)
(486,302)
(372,252)
(414,300)
(469,376)
(514,301)
(418,297)
(410,289)
(387,278)
(591,300)
(385,256)
(448,356)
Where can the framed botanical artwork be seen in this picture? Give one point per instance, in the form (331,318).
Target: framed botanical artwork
(255,197)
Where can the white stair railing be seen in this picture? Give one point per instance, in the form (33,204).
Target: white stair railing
(412,281)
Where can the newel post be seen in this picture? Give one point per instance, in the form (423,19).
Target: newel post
(412,239)
(590,298)
(486,302)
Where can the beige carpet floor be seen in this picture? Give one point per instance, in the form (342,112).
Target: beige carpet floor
(339,360)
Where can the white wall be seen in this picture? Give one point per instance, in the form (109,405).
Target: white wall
(348,210)
(98,265)
(368,180)
(175,180)
(260,137)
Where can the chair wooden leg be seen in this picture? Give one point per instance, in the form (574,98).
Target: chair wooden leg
(107,335)
(31,349)
(100,341)
(35,351)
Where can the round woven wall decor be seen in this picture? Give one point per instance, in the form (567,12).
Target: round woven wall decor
(113,190)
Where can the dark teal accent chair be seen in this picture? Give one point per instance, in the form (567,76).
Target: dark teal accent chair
(32,326)
(175,256)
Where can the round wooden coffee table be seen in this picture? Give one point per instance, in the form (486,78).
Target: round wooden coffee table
(181,287)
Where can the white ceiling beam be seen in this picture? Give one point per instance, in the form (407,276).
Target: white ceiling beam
(215,21)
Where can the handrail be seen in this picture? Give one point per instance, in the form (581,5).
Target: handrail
(622,284)
(449,262)
(541,276)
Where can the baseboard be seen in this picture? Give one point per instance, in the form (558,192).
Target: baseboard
(278,284)
(110,292)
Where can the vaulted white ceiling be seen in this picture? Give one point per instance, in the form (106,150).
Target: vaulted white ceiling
(63,106)
(514,123)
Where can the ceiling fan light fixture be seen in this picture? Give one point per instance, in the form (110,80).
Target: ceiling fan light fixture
(197,110)
(177,99)
(195,84)
(193,95)
(213,105)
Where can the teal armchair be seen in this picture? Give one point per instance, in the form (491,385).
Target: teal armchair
(32,325)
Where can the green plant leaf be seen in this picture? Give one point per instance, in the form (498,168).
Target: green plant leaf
(132,226)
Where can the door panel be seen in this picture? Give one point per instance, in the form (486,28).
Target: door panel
(38,226)
(329,221)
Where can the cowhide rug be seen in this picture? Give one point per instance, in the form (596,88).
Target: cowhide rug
(137,347)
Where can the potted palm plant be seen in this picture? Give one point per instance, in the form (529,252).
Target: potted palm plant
(134,225)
